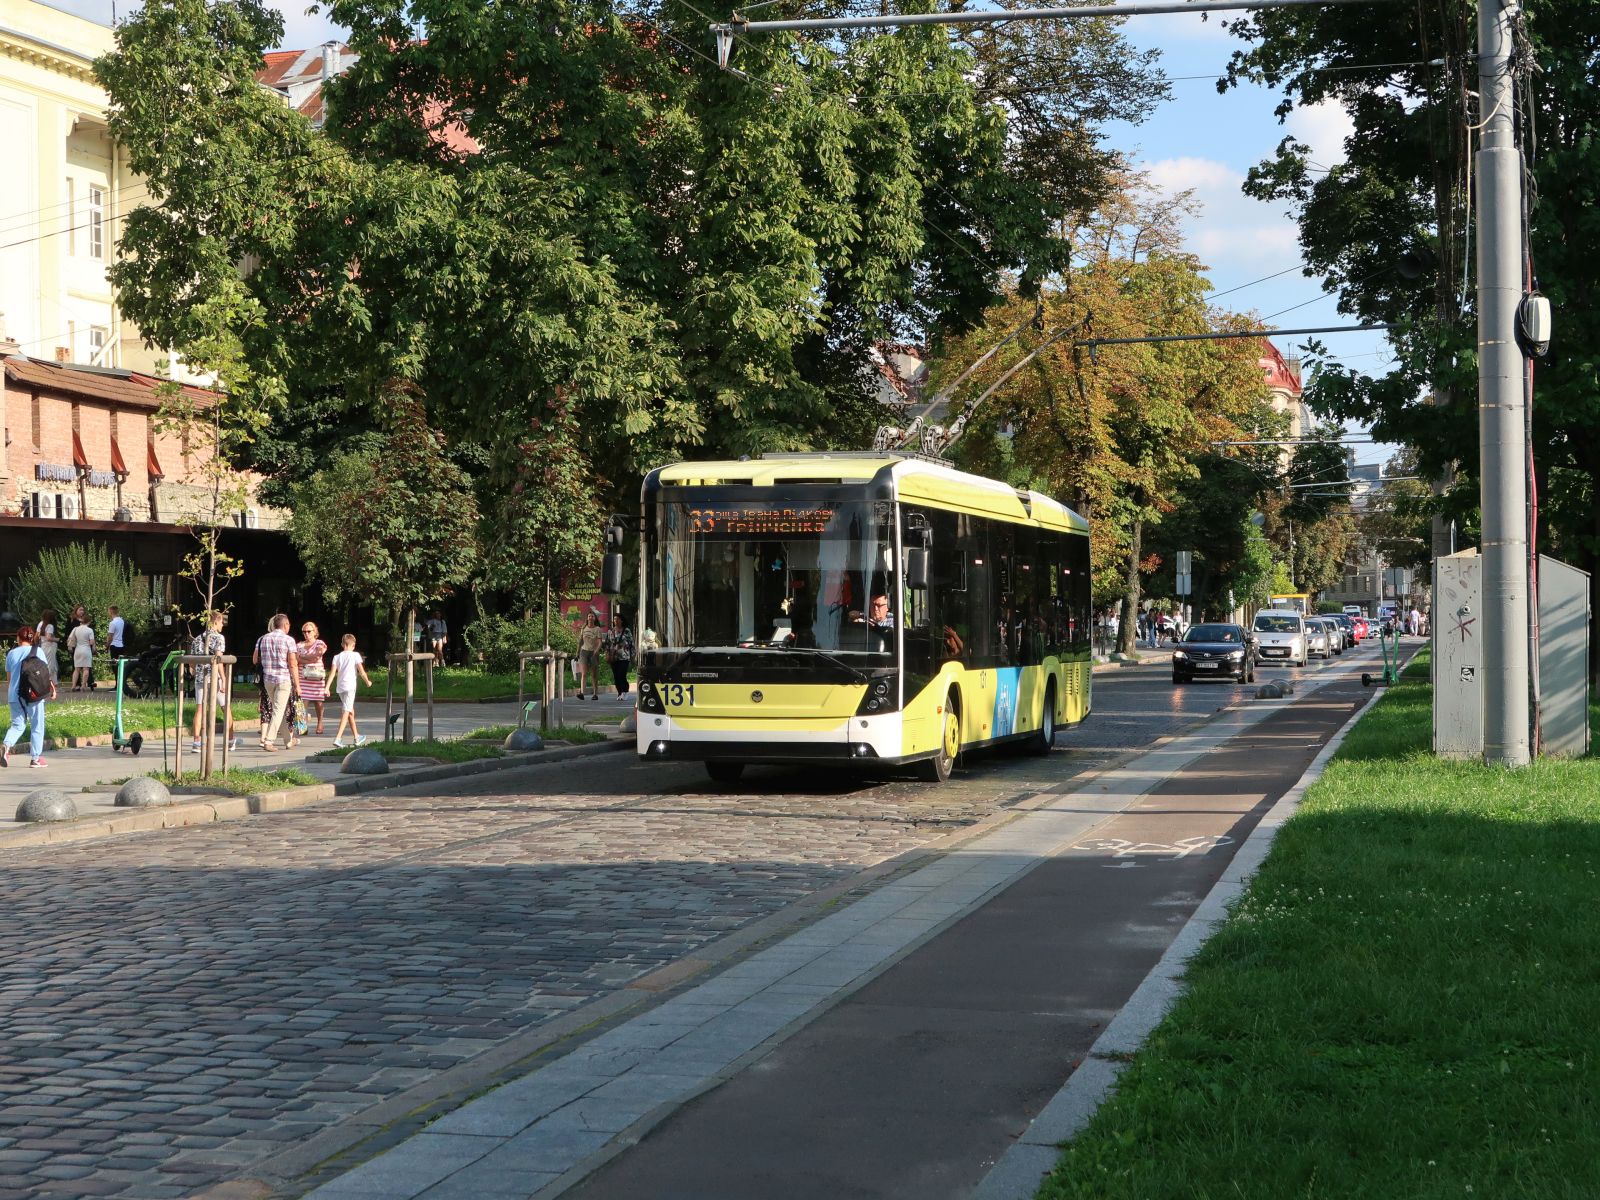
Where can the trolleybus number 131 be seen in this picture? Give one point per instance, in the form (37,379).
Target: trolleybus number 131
(676,694)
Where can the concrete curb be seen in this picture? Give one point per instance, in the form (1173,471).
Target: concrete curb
(231,808)
(105,739)
(1021,1169)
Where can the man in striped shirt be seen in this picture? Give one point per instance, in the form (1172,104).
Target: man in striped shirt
(280,675)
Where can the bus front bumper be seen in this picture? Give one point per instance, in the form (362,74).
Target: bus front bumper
(860,739)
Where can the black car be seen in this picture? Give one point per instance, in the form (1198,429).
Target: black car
(1215,651)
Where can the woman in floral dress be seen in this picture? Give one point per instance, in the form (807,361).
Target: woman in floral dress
(311,651)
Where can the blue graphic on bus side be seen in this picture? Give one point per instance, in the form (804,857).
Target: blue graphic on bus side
(1007,680)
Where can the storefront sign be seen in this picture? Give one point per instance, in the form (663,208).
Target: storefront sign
(57,473)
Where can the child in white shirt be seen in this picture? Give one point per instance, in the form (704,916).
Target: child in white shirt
(347,664)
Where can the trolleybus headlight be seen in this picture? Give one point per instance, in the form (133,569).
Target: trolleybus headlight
(879,696)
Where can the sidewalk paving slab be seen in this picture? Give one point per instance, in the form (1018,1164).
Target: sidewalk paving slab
(725,1027)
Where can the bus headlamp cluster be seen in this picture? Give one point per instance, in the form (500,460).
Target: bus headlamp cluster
(879,696)
(650,698)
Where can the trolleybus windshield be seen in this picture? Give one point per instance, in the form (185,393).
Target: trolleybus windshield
(791,576)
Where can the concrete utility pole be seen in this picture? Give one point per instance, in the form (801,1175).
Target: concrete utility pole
(1502,444)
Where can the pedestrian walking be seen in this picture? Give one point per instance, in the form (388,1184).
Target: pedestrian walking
(28,686)
(590,639)
(438,636)
(347,664)
(116,630)
(619,652)
(80,645)
(49,642)
(280,681)
(310,651)
(210,642)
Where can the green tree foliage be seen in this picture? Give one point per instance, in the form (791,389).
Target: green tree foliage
(548,521)
(395,525)
(85,573)
(559,194)
(1403,188)
(1115,433)
(1396,519)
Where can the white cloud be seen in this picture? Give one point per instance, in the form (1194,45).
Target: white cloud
(1233,234)
(1323,127)
(1181,27)
(302,29)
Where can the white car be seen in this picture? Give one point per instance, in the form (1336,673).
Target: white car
(1280,637)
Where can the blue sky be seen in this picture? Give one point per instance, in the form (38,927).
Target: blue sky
(1198,141)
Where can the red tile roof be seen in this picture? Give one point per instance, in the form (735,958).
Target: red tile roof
(132,389)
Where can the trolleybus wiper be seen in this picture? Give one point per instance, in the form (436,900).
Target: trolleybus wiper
(858,675)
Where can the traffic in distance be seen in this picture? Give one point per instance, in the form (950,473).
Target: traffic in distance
(866,608)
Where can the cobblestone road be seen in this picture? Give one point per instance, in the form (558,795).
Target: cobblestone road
(176,1006)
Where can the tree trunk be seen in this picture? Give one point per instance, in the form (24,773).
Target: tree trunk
(411,667)
(1128,630)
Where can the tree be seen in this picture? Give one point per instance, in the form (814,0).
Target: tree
(555,194)
(395,524)
(1114,432)
(1397,207)
(549,521)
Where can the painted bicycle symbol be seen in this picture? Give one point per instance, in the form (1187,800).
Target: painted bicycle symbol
(1182,848)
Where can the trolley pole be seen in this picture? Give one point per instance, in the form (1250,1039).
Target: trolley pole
(1502,444)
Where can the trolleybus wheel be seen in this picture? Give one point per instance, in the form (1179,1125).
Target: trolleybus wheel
(725,772)
(1045,739)
(937,769)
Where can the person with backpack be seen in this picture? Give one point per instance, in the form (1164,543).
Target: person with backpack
(28,688)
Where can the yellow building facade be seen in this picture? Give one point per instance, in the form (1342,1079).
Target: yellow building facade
(64,191)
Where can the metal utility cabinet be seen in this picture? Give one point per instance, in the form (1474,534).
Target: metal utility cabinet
(1458,656)
(1563,659)
(1458,649)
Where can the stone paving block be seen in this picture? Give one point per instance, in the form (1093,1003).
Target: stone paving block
(553,1149)
(411,1167)
(490,1183)
(648,1089)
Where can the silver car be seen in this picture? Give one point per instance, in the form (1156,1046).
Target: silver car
(1280,637)
(1319,640)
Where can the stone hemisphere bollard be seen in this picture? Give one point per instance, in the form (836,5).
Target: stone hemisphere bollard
(630,723)
(143,792)
(1270,691)
(364,761)
(522,740)
(47,804)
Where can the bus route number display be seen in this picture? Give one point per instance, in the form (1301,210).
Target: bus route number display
(755,522)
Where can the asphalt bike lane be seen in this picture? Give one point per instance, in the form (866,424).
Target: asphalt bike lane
(914,1085)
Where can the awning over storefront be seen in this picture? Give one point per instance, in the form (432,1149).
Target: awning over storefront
(118,467)
(152,463)
(79,458)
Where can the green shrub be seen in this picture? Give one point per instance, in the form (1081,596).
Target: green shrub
(498,639)
(83,573)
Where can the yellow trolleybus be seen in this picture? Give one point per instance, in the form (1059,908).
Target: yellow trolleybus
(867,608)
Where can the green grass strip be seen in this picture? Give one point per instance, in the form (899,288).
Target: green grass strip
(564,733)
(1406,1003)
(240,782)
(453,752)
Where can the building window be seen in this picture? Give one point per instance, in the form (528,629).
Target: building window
(98,337)
(96,222)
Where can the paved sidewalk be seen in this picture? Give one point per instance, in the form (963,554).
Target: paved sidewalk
(898,1046)
(74,770)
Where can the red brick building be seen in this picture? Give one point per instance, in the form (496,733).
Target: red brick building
(83,459)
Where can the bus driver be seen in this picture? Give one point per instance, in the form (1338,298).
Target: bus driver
(879,622)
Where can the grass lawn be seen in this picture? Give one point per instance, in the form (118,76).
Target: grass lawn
(85,718)
(454,751)
(565,733)
(242,783)
(1403,1005)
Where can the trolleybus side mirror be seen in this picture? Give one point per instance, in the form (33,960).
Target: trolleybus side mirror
(917,568)
(611,562)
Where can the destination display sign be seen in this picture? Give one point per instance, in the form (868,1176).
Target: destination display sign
(733,521)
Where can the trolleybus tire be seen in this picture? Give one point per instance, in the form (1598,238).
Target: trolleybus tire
(1044,740)
(937,769)
(725,772)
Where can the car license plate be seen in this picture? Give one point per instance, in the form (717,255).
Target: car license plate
(1279,651)
(1207,666)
